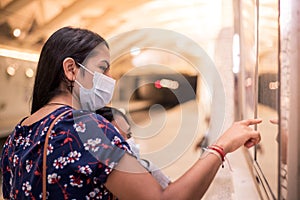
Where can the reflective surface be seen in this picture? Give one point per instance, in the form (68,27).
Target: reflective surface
(267,152)
(259,83)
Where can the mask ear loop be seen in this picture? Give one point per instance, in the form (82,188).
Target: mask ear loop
(78,83)
(81,65)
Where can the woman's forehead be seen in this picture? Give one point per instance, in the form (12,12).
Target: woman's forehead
(98,55)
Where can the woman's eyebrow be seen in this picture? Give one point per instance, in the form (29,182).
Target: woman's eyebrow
(106,62)
(105,66)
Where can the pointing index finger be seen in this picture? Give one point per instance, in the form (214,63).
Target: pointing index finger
(249,122)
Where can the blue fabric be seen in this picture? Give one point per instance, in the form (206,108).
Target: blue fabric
(83,149)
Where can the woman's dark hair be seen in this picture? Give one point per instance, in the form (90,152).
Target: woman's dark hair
(109,113)
(66,42)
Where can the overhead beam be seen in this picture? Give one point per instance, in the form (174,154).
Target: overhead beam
(102,24)
(56,22)
(12,7)
(75,9)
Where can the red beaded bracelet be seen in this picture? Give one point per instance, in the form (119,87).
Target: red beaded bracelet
(220,151)
(217,146)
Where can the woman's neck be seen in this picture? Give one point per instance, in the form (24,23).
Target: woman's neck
(48,108)
(64,100)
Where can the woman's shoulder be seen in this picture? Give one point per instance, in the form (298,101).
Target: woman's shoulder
(85,121)
(91,119)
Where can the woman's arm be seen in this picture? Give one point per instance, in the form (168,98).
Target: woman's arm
(131,181)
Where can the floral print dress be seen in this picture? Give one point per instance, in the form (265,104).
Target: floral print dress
(83,149)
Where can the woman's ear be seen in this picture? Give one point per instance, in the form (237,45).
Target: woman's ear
(70,68)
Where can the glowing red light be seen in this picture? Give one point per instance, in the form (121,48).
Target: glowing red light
(157,84)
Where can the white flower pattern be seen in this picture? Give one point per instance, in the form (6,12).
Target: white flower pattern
(60,162)
(72,163)
(75,182)
(80,127)
(29,165)
(92,144)
(15,160)
(85,170)
(26,187)
(53,178)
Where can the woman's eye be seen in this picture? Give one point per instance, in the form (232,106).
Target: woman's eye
(103,68)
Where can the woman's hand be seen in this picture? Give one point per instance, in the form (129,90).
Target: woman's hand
(240,134)
(195,181)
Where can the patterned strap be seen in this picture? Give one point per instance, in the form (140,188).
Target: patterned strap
(45,154)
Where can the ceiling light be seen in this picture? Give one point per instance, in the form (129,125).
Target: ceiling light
(10,70)
(29,73)
(135,51)
(17,32)
(19,55)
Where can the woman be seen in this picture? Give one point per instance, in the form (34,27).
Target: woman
(86,157)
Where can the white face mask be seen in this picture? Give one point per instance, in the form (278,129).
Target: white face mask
(99,95)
